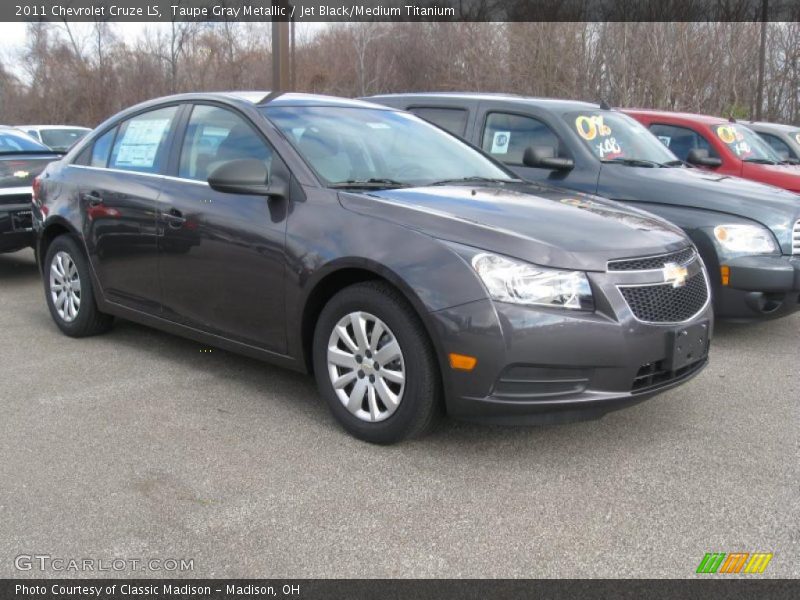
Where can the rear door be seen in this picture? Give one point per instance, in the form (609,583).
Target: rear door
(221,256)
(119,179)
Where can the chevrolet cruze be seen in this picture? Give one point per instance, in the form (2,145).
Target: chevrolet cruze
(410,272)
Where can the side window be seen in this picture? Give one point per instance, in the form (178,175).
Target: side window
(506,137)
(777,144)
(453,120)
(141,145)
(681,140)
(101,149)
(215,136)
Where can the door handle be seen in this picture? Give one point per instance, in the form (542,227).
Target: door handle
(174,218)
(93,198)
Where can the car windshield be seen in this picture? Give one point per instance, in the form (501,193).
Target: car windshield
(374,147)
(613,136)
(745,143)
(61,139)
(16,141)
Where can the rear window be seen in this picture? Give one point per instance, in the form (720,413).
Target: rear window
(62,139)
(453,120)
(17,141)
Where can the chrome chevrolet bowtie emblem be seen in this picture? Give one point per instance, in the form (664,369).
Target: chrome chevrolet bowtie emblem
(675,274)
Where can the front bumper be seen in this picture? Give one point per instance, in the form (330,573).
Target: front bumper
(759,287)
(16,227)
(541,365)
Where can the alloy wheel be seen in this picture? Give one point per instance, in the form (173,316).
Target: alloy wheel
(65,286)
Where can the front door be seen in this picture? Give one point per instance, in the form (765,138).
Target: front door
(221,256)
(506,134)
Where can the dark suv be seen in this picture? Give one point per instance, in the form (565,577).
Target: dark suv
(403,267)
(747,233)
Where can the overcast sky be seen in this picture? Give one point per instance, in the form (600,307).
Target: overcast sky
(12,35)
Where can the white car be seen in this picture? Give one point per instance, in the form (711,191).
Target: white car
(58,137)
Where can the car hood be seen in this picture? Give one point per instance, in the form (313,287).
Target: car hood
(773,207)
(542,225)
(784,176)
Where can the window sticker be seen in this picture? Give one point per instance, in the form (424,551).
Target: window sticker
(797,137)
(140,143)
(665,139)
(735,140)
(593,129)
(589,127)
(500,142)
(726,133)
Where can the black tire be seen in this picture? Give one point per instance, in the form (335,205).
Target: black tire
(88,320)
(421,402)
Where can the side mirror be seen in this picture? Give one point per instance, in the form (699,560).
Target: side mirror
(244,176)
(544,157)
(700,157)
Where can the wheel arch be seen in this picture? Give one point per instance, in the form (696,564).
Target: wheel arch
(55,227)
(343,274)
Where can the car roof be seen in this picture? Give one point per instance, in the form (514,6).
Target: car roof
(766,126)
(53,127)
(261,98)
(557,104)
(668,114)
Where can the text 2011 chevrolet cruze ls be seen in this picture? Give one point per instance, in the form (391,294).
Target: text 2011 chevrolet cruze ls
(410,272)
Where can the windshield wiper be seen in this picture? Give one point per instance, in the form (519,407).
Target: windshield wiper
(374,182)
(633,162)
(475,179)
(761,161)
(676,163)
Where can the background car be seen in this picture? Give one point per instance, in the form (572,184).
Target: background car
(747,233)
(21,159)
(407,270)
(58,137)
(721,146)
(783,139)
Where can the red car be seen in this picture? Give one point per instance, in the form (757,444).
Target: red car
(719,145)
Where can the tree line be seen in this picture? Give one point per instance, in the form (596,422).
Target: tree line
(66,75)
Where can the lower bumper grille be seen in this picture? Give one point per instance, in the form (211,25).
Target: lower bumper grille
(664,303)
(653,375)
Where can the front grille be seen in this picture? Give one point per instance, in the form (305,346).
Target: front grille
(653,375)
(15,199)
(650,263)
(663,303)
(796,238)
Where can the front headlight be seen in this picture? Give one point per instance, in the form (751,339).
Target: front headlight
(518,282)
(745,239)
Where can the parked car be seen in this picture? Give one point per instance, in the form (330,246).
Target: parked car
(783,139)
(747,233)
(721,146)
(21,159)
(58,137)
(396,262)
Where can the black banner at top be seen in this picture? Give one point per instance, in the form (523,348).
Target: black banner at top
(399,10)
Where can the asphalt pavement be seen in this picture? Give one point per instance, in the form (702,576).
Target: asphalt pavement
(138,445)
